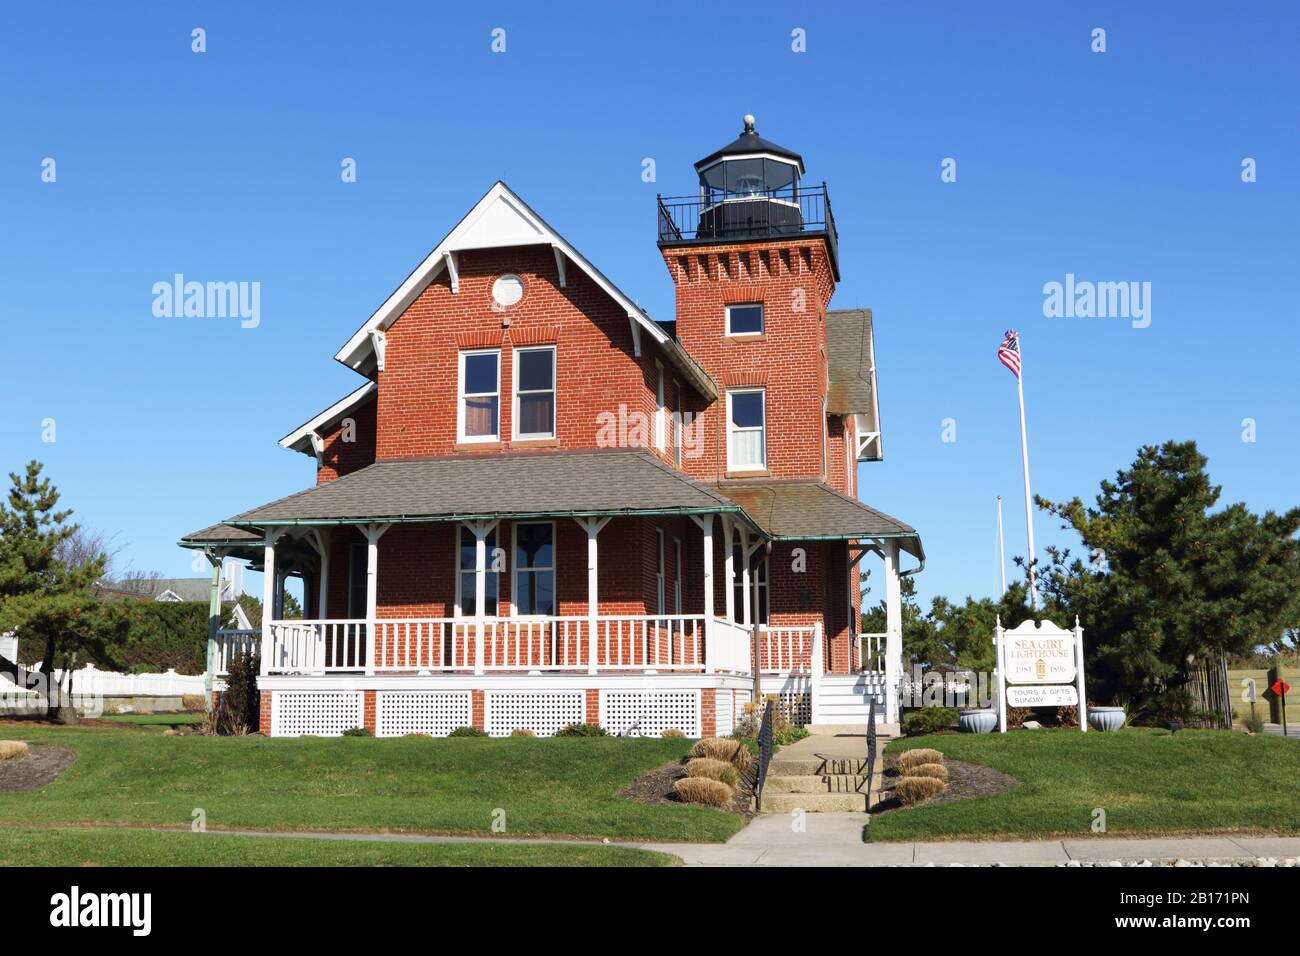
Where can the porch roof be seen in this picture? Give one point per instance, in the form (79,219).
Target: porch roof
(810,510)
(469,487)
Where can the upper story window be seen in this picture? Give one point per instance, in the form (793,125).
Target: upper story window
(661,408)
(745,319)
(746,430)
(479,411)
(535,393)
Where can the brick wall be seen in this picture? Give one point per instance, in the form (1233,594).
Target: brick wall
(349,445)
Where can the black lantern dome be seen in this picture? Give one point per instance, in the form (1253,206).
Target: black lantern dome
(747,186)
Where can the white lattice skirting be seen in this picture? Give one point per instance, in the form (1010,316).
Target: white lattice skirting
(652,712)
(318,713)
(421,712)
(542,712)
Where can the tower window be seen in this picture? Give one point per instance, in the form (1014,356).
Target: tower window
(745,319)
(747,433)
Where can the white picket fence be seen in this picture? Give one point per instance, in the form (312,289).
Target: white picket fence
(93,682)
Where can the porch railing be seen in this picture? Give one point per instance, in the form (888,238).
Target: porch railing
(560,643)
(232,642)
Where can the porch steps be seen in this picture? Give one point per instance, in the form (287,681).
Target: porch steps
(821,774)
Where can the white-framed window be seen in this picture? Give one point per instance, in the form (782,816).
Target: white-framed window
(757,574)
(358,561)
(534,584)
(659,571)
(745,319)
(478,411)
(466,561)
(661,407)
(677,423)
(747,430)
(534,407)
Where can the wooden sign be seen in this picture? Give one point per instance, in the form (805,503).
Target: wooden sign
(1043,695)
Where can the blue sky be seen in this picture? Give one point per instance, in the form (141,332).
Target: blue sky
(1115,166)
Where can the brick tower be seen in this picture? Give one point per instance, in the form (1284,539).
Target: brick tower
(754,259)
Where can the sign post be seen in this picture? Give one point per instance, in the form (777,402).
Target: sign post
(1280,687)
(1040,665)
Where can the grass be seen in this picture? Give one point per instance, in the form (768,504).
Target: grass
(156,721)
(73,847)
(1149,782)
(535,787)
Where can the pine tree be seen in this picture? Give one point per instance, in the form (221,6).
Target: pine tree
(1169,581)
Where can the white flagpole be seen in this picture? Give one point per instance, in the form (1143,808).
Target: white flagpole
(1002,549)
(1029,501)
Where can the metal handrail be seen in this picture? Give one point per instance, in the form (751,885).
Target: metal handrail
(764,755)
(871,747)
(784,212)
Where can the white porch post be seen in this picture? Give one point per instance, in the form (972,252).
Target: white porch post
(481,530)
(729,568)
(745,608)
(269,578)
(817,670)
(593,528)
(893,630)
(712,649)
(373,533)
(214,622)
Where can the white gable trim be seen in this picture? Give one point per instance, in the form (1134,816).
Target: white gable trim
(500,219)
(305,436)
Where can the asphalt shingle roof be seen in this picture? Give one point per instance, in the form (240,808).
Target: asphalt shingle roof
(577,483)
(810,509)
(848,335)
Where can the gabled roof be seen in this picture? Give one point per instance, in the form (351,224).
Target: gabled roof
(851,361)
(501,219)
(810,510)
(300,438)
(468,487)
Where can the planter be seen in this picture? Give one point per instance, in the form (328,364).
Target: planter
(977,721)
(1106,718)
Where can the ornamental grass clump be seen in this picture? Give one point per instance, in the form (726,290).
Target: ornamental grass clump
(915,758)
(713,793)
(720,770)
(672,733)
(936,770)
(522,732)
(912,790)
(10,749)
(723,748)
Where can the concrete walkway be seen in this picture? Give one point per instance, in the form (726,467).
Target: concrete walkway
(835,839)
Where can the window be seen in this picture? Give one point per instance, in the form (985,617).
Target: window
(535,393)
(507,290)
(479,413)
(659,571)
(746,433)
(745,319)
(357,581)
(535,569)
(757,571)
(677,424)
(660,407)
(466,588)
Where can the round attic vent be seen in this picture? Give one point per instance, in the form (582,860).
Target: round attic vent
(507,290)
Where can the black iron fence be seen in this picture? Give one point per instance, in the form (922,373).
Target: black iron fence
(764,755)
(732,217)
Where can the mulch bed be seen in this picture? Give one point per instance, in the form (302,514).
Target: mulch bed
(656,787)
(966,781)
(40,766)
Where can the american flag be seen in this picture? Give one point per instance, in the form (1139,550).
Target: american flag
(1009,352)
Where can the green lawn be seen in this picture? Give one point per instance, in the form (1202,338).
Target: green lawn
(1147,781)
(536,787)
(156,721)
(71,847)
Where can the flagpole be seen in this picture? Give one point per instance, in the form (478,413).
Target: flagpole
(1029,501)
(1002,549)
